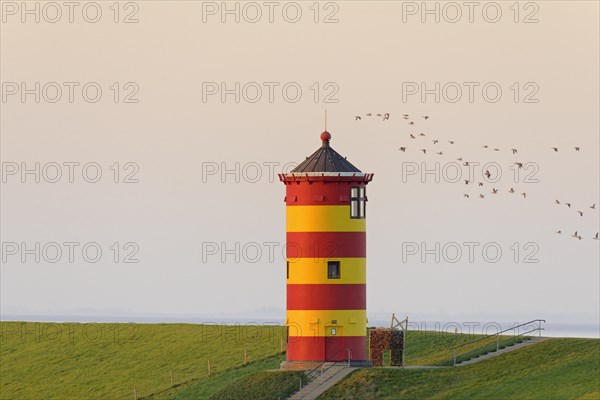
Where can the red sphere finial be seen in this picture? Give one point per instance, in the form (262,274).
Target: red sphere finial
(325,136)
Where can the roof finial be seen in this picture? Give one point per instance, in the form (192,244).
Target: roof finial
(325,136)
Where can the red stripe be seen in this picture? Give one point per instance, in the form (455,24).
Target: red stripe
(320,193)
(319,245)
(327,297)
(319,348)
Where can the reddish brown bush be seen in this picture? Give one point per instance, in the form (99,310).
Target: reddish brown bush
(384,339)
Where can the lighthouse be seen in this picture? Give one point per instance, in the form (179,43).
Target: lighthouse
(326,208)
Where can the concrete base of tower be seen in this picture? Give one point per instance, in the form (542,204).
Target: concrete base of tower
(309,365)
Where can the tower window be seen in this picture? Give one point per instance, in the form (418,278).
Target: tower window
(358,200)
(333,270)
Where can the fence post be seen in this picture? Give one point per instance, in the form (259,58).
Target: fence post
(209,367)
(454,357)
(171,377)
(245,357)
(497,342)
(134,393)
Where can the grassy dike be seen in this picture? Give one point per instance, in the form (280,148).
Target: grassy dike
(104,361)
(555,369)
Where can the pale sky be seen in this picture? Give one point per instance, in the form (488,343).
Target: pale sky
(365,61)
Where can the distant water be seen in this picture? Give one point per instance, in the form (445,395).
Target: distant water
(551,329)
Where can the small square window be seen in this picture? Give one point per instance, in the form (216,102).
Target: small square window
(333,270)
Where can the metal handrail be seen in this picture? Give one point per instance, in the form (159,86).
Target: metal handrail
(497,334)
(349,351)
(309,373)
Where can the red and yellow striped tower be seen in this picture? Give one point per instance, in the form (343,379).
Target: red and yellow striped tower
(326,259)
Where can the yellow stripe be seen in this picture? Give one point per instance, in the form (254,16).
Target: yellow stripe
(322,219)
(315,322)
(314,271)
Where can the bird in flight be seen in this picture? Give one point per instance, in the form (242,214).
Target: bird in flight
(379,115)
(557,202)
(559,232)
(524,195)
(494,191)
(514,151)
(402,149)
(466,195)
(426,116)
(412,136)
(459,159)
(411,123)
(481,196)
(518,164)
(487,173)
(511,190)
(421,134)
(435,141)
(386,116)
(369,114)
(496,149)
(568,205)
(466,182)
(424,151)
(480,183)
(577,148)
(485,146)
(593,206)
(357,118)
(466,163)
(580,213)
(440,153)
(596,237)
(451,141)
(575,234)
(555,149)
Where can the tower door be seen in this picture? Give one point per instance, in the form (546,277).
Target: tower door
(334,343)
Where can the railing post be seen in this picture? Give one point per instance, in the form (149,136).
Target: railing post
(454,362)
(497,342)
(349,351)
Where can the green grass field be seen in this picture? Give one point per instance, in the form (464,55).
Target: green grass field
(555,369)
(105,361)
(258,380)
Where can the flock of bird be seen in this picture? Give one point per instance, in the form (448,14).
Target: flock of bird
(520,165)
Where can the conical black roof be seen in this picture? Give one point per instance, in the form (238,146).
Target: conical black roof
(325,159)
